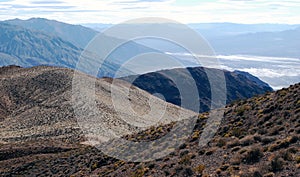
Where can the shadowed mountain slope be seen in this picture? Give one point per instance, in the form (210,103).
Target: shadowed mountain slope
(239,85)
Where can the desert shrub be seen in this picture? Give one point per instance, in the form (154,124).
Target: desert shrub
(297,159)
(277,164)
(252,174)
(183,153)
(195,135)
(140,172)
(210,151)
(185,160)
(203,116)
(267,117)
(246,141)
(236,159)
(237,132)
(264,168)
(94,166)
(221,142)
(293,139)
(178,169)
(262,131)
(182,146)
(274,131)
(257,138)
(199,169)
(235,149)
(283,143)
(224,167)
(151,165)
(167,173)
(292,150)
(278,145)
(188,172)
(218,171)
(242,151)
(267,140)
(257,174)
(233,143)
(268,124)
(241,110)
(253,155)
(287,155)
(201,152)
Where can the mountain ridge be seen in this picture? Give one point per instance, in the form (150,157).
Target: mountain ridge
(76,34)
(239,86)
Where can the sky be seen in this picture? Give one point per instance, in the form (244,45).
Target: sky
(183,11)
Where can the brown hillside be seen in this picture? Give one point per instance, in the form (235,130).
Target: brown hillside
(257,137)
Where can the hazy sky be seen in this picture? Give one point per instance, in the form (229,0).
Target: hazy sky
(184,11)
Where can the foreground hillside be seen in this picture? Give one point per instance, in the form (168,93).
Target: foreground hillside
(36,103)
(257,137)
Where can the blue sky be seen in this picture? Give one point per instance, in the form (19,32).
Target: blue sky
(184,11)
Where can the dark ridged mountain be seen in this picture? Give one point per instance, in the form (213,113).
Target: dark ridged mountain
(240,85)
(252,78)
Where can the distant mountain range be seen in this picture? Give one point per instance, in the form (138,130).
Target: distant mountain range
(30,48)
(274,40)
(78,35)
(219,29)
(212,30)
(239,85)
(37,42)
(277,44)
(40,41)
(34,43)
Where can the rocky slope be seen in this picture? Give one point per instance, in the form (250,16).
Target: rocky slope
(36,103)
(257,137)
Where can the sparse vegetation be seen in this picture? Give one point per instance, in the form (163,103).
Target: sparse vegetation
(255,138)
